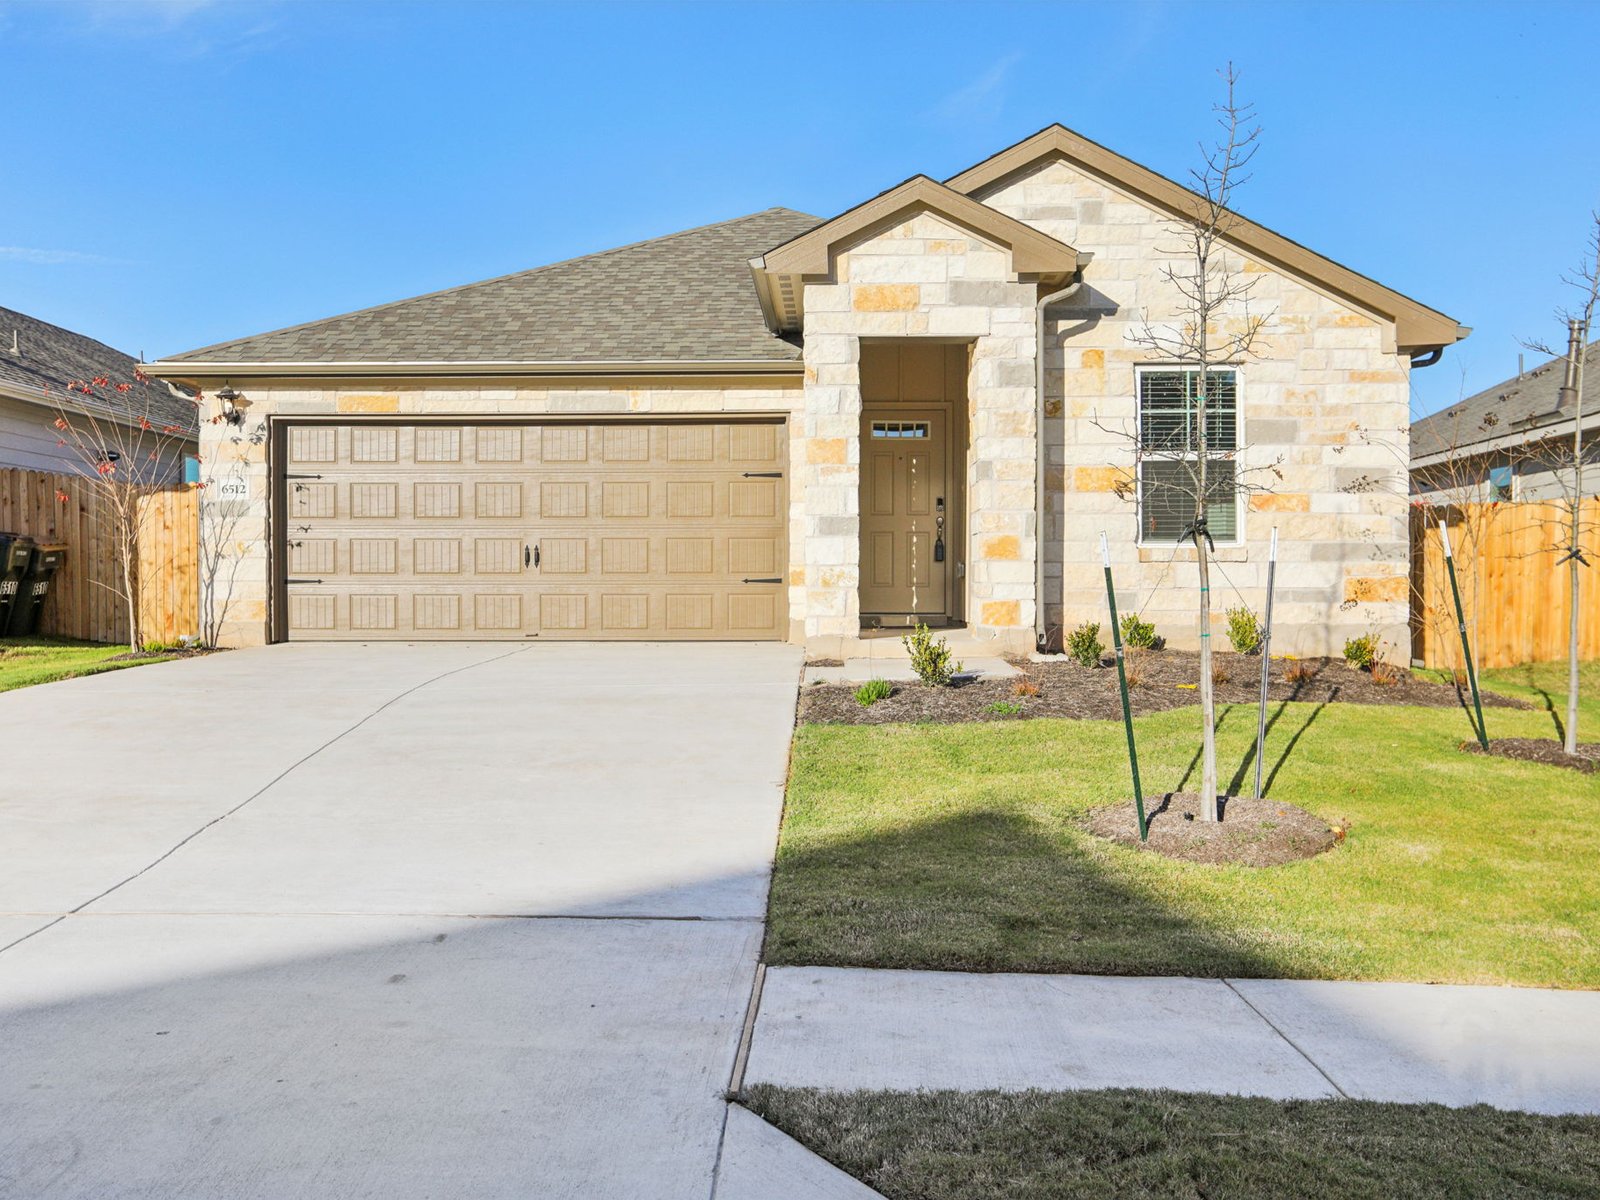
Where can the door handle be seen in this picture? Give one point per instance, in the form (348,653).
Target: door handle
(534,558)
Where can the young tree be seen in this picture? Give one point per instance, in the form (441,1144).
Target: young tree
(130,444)
(1564,460)
(220,552)
(1212,327)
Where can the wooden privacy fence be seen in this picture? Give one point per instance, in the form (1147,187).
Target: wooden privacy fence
(83,600)
(1515,596)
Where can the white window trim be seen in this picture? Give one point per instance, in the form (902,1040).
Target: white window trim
(1239,510)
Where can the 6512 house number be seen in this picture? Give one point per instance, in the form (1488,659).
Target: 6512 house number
(233,489)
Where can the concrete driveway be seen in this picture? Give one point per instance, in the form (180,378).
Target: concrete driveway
(392,921)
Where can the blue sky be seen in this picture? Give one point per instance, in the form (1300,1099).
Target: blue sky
(176,173)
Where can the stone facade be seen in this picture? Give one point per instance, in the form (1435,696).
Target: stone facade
(923,278)
(1324,405)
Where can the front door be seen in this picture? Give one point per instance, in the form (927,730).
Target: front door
(906,507)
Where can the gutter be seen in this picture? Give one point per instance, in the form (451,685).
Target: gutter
(1045,302)
(186,369)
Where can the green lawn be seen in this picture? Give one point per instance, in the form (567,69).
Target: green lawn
(27,661)
(959,847)
(1545,685)
(1077,1145)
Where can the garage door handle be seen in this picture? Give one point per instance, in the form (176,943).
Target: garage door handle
(774,579)
(530,557)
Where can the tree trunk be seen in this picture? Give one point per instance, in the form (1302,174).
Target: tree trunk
(1208,705)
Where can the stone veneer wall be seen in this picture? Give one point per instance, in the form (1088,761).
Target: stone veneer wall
(923,278)
(227,453)
(1327,396)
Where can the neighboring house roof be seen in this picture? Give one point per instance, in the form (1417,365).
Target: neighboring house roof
(681,299)
(48,360)
(780,271)
(1418,327)
(1506,413)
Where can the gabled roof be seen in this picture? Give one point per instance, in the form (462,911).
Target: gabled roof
(780,272)
(48,359)
(1418,327)
(1032,252)
(684,299)
(1507,413)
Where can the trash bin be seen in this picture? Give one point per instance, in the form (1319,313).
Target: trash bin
(16,553)
(35,586)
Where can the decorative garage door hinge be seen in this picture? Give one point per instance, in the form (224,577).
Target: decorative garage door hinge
(774,579)
(763,475)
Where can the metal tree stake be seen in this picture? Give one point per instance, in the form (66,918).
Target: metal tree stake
(1122,684)
(1466,649)
(1266,659)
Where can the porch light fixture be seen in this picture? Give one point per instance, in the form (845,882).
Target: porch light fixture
(233,404)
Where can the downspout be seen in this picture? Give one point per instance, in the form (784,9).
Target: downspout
(1427,358)
(1045,302)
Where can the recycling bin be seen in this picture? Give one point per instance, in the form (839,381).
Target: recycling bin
(16,555)
(33,588)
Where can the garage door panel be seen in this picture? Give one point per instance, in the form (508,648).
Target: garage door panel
(655,530)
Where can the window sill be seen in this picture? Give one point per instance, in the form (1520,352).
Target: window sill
(1236,552)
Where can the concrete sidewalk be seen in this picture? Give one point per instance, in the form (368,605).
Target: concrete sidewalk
(1514,1048)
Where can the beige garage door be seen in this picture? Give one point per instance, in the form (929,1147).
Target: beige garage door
(614,530)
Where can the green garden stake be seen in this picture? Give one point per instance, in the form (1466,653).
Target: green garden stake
(1266,660)
(1482,730)
(1122,683)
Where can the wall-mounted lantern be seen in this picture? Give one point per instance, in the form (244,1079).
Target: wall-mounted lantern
(233,404)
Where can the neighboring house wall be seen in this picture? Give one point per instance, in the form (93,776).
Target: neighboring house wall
(29,439)
(1327,395)
(1467,479)
(227,453)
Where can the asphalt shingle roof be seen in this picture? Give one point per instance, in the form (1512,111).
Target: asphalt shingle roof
(1527,401)
(681,298)
(50,358)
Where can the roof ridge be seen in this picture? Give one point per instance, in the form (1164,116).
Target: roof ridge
(511,275)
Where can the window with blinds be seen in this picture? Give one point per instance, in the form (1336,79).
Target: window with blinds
(1169,438)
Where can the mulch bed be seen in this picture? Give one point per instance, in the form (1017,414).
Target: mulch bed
(1542,750)
(1252,833)
(1160,679)
(189,652)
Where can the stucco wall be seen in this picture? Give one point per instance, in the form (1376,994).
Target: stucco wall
(227,452)
(1325,402)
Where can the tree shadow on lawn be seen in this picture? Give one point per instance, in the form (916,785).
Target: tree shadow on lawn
(1237,782)
(988,891)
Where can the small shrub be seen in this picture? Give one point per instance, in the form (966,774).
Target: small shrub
(931,659)
(873,690)
(1244,630)
(1299,672)
(1385,674)
(1084,644)
(1005,708)
(1133,673)
(1137,634)
(1361,652)
(1219,674)
(1024,687)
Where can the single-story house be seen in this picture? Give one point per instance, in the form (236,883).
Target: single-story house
(1512,441)
(41,363)
(796,428)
